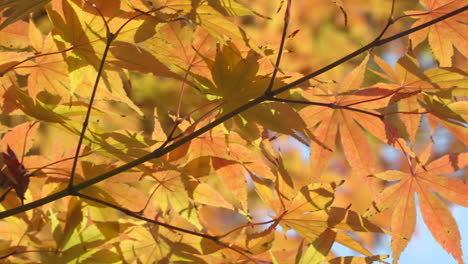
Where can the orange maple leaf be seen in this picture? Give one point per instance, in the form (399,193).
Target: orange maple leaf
(417,93)
(444,35)
(324,123)
(421,180)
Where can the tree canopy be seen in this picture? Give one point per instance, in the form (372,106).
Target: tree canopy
(223,131)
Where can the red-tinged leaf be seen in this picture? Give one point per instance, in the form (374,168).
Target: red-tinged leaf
(444,35)
(440,222)
(13,175)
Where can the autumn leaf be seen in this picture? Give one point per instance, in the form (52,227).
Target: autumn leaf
(164,132)
(234,77)
(320,247)
(13,175)
(423,93)
(442,36)
(14,36)
(324,124)
(72,29)
(46,73)
(424,178)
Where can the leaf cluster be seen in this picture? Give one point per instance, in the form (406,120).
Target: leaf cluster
(171,131)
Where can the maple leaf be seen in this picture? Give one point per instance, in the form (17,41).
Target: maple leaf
(421,180)
(197,170)
(233,75)
(182,47)
(442,36)
(81,30)
(13,175)
(15,36)
(325,122)
(229,159)
(46,73)
(132,57)
(424,93)
(309,213)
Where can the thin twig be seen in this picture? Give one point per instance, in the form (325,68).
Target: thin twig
(110,38)
(287,18)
